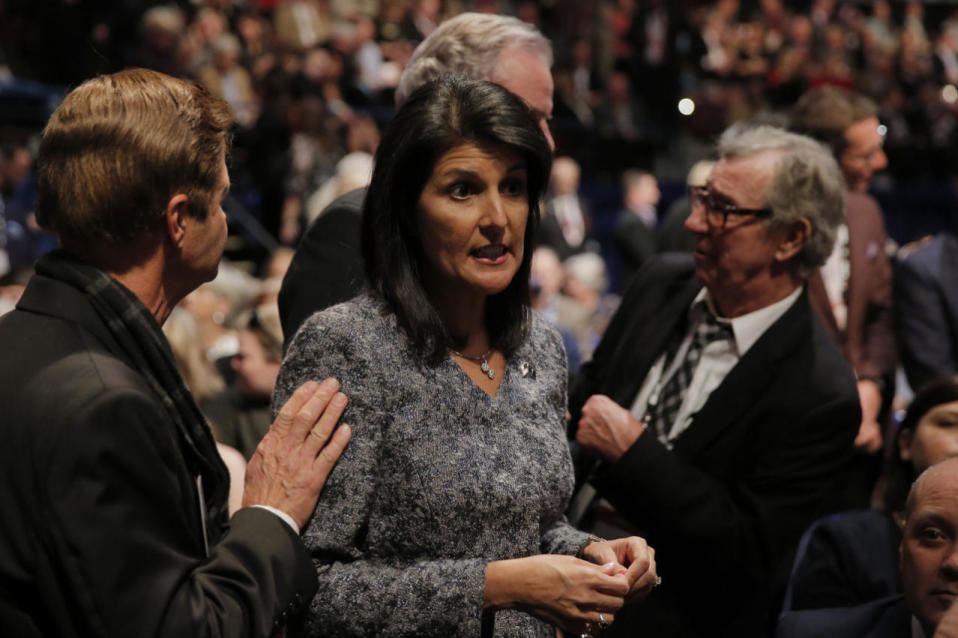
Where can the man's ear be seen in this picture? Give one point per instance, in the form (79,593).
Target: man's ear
(792,238)
(176,215)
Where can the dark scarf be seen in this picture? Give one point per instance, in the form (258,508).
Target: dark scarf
(143,344)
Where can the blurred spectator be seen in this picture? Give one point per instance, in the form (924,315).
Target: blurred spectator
(634,234)
(566,225)
(352,171)
(162,28)
(585,305)
(851,292)
(545,283)
(226,79)
(926,309)
(21,239)
(302,24)
(241,412)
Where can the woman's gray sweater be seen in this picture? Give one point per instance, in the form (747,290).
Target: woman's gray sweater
(438,480)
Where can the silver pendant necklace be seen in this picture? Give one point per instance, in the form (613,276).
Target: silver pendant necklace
(482,360)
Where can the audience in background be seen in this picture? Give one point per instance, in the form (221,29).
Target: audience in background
(566,225)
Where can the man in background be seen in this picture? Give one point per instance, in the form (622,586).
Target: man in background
(852,291)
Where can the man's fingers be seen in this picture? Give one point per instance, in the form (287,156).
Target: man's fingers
(331,451)
(284,420)
(318,434)
(310,412)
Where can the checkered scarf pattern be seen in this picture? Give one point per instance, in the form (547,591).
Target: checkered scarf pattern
(145,347)
(661,415)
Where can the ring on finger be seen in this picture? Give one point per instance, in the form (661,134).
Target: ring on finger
(658,581)
(602,621)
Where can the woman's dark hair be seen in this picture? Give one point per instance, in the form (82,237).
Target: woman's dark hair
(900,474)
(436,118)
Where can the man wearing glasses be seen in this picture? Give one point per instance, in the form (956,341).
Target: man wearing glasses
(717,408)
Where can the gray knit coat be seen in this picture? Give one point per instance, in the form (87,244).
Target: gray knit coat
(438,480)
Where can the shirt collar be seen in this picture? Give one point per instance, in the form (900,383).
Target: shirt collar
(749,327)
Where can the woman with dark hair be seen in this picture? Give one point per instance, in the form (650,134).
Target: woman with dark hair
(444,518)
(852,558)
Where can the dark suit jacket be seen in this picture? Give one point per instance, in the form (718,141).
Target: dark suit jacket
(926,310)
(883,618)
(845,559)
(328,267)
(101,533)
(868,339)
(727,505)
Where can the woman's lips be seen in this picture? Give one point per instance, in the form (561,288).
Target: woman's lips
(492,254)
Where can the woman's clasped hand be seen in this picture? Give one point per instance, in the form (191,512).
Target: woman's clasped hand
(574,593)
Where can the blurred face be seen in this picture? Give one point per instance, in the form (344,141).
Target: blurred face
(205,239)
(255,374)
(929,547)
(526,75)
(727,259)
(864,155)
(471,220)
(934,439)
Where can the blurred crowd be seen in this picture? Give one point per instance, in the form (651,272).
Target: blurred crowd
(639,85)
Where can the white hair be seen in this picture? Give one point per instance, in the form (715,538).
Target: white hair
(806,183)
(469,45)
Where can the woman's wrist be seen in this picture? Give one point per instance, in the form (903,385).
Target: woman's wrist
(499,589)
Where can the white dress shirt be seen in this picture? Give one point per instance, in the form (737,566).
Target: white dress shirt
(718,359)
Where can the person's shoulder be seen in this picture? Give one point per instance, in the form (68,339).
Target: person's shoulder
(887,617)
(928,255)
(348,206)
(361,319)
(543,333)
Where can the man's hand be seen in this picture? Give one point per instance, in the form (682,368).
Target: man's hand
(869,439)
(606,428)
(292,462)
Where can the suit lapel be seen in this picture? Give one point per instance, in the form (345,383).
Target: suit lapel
(747,381)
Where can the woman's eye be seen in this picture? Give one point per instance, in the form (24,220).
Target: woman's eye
(514,187)
(460,191)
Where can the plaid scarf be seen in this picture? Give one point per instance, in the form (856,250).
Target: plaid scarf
(145,347)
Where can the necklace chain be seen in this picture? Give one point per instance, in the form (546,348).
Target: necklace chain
(482,360)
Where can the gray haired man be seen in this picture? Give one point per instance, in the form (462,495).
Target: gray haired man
(716,407)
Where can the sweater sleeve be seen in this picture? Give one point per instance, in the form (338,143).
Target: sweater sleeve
(360,594)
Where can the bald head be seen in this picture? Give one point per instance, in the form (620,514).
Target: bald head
(929,546)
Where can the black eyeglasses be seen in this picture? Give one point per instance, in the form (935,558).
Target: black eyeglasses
(717,210)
